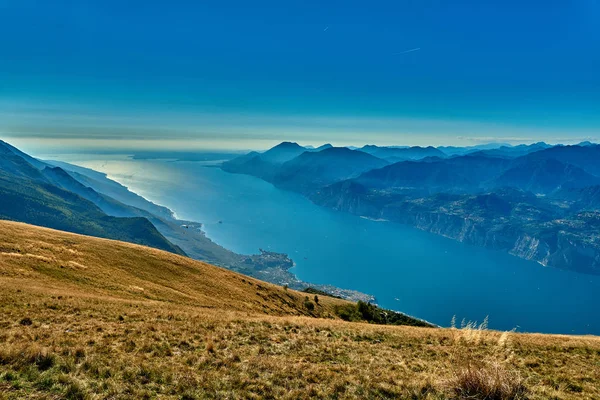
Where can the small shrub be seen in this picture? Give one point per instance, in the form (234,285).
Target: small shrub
(44,361)
(26,321)
(348,312)
(488,381)
(309,305)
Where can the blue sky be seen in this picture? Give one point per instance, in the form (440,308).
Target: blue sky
(233,74)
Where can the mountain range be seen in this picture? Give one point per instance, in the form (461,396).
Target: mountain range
(314,169)
(539,202)
(395,154)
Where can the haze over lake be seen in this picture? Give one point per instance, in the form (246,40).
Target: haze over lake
(408,270)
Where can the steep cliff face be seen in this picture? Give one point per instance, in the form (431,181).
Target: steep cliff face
(565,251)
(566,243)
(550,248)
(573,250)
(473,231)
(531,248)
(347,196)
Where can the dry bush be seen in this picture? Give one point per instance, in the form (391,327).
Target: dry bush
(491,377)
(487,380)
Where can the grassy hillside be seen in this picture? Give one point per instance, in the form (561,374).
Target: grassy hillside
(51,197)
(100,268)
(92,318)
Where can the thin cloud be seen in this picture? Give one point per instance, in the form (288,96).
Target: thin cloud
(407,51)
(326,28)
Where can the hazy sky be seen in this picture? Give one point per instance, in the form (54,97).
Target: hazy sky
(239,74)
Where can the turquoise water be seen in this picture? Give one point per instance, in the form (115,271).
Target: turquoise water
(407,270)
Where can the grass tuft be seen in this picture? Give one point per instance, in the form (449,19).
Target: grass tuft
(491,380)
(27,355)
(487,377)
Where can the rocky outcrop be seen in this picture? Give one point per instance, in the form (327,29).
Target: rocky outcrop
(531,248)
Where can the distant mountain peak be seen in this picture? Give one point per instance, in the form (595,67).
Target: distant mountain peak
(287,145)
(586,143)
(337,150)
(57,170)
(323,147)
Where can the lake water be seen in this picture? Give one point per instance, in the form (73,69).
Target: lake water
(408,270)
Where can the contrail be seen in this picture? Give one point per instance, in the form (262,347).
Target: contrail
(325,30)
(407,51)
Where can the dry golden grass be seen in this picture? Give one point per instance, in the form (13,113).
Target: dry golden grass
(90,318)
(61,263)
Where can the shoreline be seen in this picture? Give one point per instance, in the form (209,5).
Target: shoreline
(191,237)
(269,266)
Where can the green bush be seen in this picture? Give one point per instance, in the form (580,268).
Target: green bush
(348,312)
(363,311)
(310,306)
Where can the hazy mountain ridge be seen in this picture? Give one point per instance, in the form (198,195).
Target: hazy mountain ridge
(538,202)
(51,197)
(586,157)
(395,154)
(311,170)
(459,150)
(108,187)
(297,168)
(456,174)
(511,151)
(545,176)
